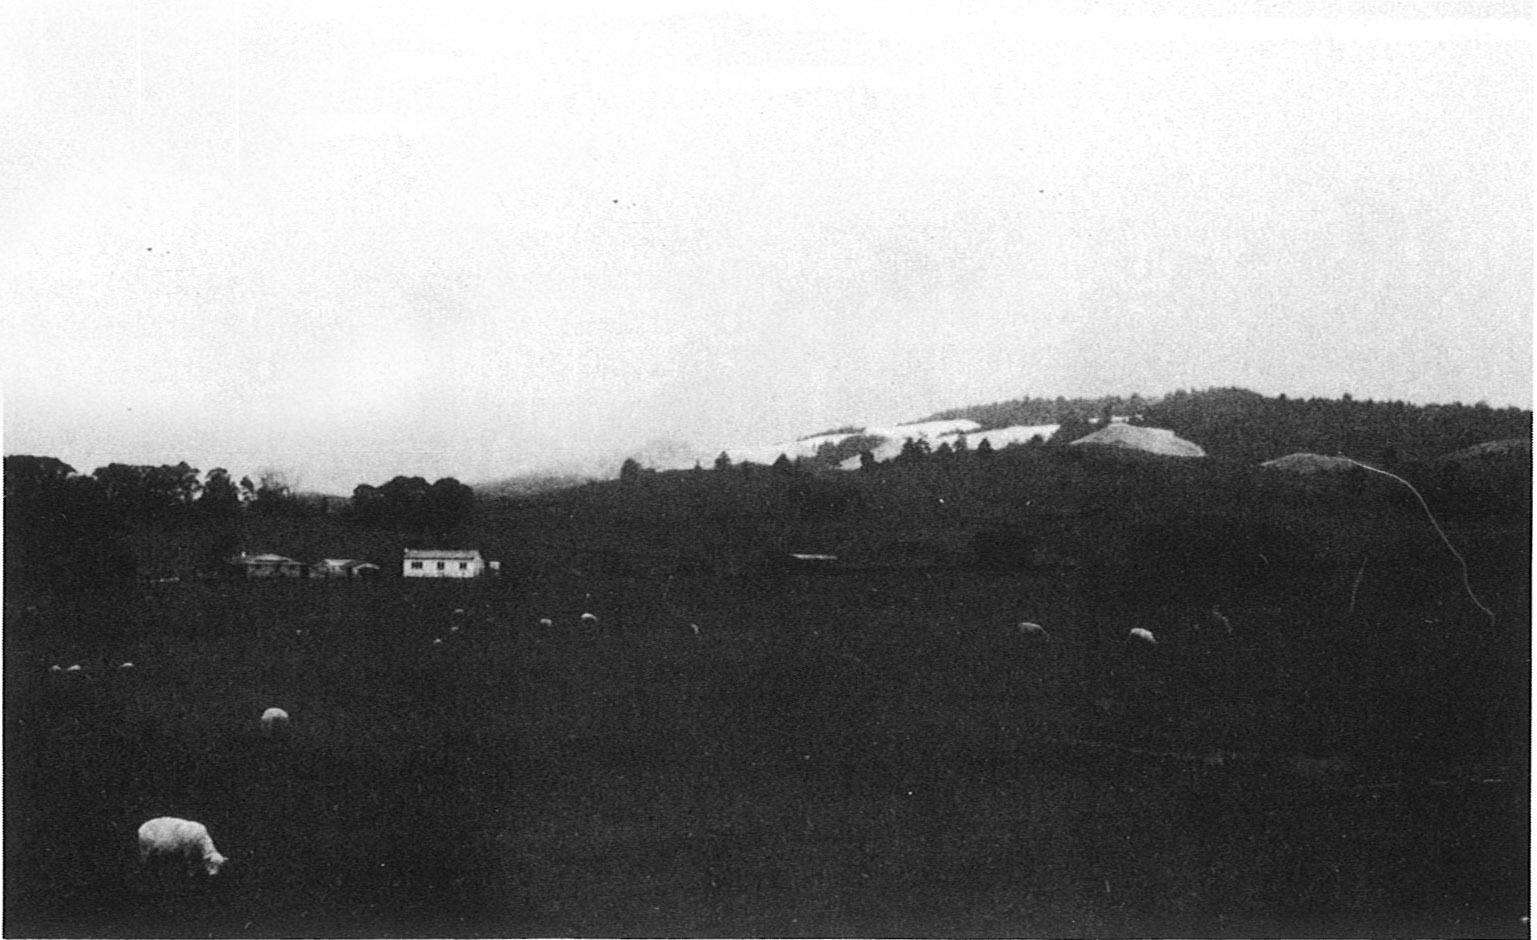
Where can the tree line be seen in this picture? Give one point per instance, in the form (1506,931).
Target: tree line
(1239,424)
(65,529)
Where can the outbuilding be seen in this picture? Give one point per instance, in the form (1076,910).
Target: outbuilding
(343,568)
(267,566)
(443,563)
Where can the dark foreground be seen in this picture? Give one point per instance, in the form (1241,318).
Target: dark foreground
(870,755)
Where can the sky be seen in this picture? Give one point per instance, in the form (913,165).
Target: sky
(350,240)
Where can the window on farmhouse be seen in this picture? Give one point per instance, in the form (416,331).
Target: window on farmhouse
(440,566)
(463,565)
(416,566)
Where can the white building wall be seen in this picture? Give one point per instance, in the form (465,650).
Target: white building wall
(443,568)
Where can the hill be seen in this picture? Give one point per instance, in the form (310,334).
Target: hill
(1228,423)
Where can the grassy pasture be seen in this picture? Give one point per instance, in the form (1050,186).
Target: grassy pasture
(869,753)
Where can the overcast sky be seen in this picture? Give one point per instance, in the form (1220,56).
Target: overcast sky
(351,240)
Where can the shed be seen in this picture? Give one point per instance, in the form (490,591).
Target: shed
(268,566)
(343,568)
(442,563)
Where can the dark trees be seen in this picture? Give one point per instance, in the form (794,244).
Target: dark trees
(450,504)
(61,531)
(148,495)
(413,504)
(221,498)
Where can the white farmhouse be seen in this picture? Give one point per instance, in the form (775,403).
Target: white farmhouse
(443,563)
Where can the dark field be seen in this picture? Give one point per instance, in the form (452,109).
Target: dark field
(870,752)
(838,756)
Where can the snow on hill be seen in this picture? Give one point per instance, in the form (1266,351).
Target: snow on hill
(950,432)
(768,453)
(895,436)
(1017,434)
(928,430)
(1135,437)
(891,437)
(1305,463)
(1516,447)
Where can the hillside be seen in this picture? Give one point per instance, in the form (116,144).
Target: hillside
(1226,423)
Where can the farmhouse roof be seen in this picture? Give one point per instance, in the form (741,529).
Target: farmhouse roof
(266,559)
(456,554)
(1137,437)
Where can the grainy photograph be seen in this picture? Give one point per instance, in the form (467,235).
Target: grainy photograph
(719,469)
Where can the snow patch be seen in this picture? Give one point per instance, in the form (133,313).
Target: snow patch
(1151,440)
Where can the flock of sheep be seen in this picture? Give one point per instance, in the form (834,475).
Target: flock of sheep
(170,839)
(77,668)
(1213,622)
(586,620)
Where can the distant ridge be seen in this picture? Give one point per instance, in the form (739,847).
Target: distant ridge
(1227,423)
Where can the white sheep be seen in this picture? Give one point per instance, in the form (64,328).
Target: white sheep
(695,628)
(126,666)
(274,721)
(55,668)
(458,611)
(1034,632)
(1144,637)
(590,620)
(546,622)
(438,641)
(454,629)
(75,668)
(171,838)
(1217,622)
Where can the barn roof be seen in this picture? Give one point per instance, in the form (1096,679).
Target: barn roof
(455,554)
(267,559)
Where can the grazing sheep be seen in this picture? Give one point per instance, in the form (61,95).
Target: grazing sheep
(55,668)
(171,838)
(75,668)
(1034,632)
(590,620)
(126,666)
(274,721)
(546,622)
(1216,622)
(454,629)
(458,611)
(1141,636)
(438,641)
(695,628)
